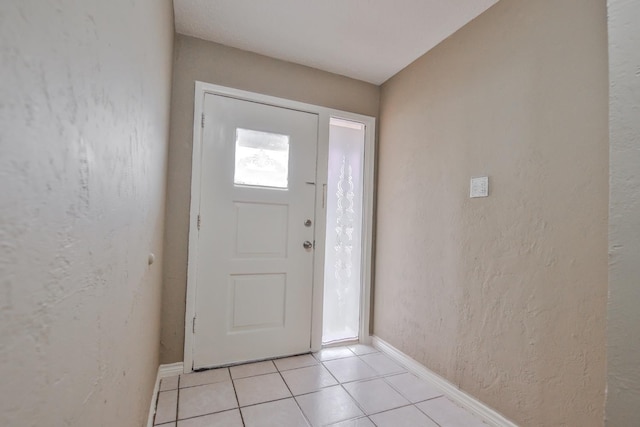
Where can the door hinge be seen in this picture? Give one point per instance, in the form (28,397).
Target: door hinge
(198,222)
(193,325)
(202,120)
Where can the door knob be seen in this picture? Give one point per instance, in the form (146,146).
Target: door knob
(307,223)
(307,244)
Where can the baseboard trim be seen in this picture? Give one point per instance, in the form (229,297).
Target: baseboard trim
(465,400)
(164,371)
(170,369)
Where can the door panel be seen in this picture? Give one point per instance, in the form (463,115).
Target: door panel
(258,301)
(261,230)
(254,277)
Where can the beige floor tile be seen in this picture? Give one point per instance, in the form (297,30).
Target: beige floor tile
(358,422)
(295,362)
(413,388)
(371,382)
(329,405)
(260,389)
(333,353)
(166,407)
(408,416)
(361,349)
(375,396)
(448,414)
(204,377)
(309,379)
(221,419)
(206,399)
(251,369)
(382,364)
(169,383)
(350,369)
(281,413)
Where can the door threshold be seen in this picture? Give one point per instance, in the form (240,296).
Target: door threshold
(341,343)
(265,359)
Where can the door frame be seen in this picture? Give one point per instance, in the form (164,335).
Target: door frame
(324,114)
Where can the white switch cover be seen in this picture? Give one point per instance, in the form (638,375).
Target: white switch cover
(480,186)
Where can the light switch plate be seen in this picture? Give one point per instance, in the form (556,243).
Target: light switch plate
(480,186)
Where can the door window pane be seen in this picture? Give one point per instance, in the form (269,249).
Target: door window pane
(262,159)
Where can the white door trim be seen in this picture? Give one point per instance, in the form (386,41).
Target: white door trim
(324,114)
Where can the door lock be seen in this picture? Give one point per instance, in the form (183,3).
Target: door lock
(307,244)
(307,223)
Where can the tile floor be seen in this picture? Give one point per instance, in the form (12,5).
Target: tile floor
(354,386)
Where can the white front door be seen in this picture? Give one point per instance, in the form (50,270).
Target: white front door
(255,243)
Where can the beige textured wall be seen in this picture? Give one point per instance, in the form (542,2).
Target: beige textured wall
(196,59)
(504,296)
(84,109)
(623,326)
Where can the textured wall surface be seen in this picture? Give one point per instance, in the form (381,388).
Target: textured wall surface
(623,326)
(84,109)
(196,59)
(504,296)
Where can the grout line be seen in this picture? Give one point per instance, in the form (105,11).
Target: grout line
(155,410)
(319,389)
(330,373)
(401,393)
(158,402)
(208,383)
(266,401)
(201,385)
(377,375)
(316,391)
(392,409)
(178,400)
(209,413)
(329,348)
(204,415)
(405,406)
(298,368)
(256,375)
(336,358)
(235,392)
(319,364)
(341,384)
(428,416)
(294,399)
(354,400)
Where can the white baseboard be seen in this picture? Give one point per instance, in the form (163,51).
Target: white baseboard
(170,369)
(465,400)
(163,372)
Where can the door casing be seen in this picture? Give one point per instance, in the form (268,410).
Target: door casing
(324,115)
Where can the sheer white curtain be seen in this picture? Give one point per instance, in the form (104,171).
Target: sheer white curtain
(342,275)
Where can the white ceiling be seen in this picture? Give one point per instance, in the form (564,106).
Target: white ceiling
(369,40)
